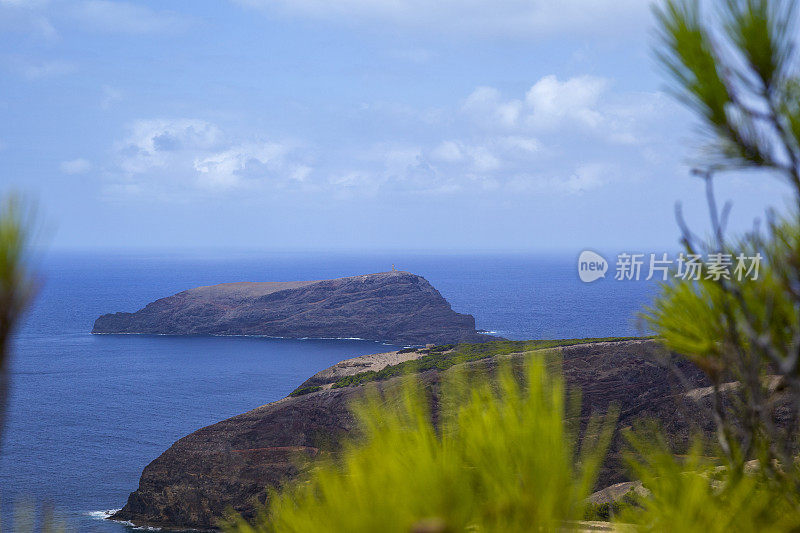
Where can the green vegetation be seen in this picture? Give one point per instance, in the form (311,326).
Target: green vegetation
(693,494)
(17,289)
(737,70)
(300,391)
(503,458)
(16,284)
(444,356)
(740,76)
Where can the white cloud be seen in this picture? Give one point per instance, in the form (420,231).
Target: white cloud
(487,104)
(518,18)
(154,144)
(562,136)
(483,159)
(588,176)
(447,151)
(227,169)
(124,17)
(178,156)
(551,101)
(76,166)
(582,104)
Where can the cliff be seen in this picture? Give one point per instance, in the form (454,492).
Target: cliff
(396,307)
(234,463)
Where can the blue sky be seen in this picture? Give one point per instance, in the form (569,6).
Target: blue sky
(348,124)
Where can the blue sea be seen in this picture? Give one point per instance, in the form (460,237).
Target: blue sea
(88,412)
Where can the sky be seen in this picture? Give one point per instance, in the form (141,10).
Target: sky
(355,125)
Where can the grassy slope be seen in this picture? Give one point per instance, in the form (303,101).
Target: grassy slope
(444,356)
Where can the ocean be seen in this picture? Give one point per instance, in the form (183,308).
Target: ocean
(87,412)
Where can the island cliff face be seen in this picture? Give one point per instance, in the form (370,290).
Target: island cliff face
(234,463)
(396,307)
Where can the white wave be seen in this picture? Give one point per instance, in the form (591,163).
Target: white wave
(102,515)
(108,513)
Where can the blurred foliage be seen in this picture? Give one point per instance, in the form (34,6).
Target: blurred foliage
(734,64)
(28,519)
(736,67)
(502,458)
(16,283)
(17,289)
(693,493)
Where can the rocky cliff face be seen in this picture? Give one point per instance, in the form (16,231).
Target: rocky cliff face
(233,464)
(395,307)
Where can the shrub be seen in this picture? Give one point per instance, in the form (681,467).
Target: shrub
(503,458)
(305,390)
(693,494)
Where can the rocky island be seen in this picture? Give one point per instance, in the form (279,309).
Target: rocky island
(395,307)
(234,464)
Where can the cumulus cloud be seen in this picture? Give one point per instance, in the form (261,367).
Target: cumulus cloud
(174,155)
(521,18)
(230,167)
(486,104)
(582,104)
(551,101)
(559,136)
(564,136)
(548,104)
(448,152)
(154,144)
(76,166)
